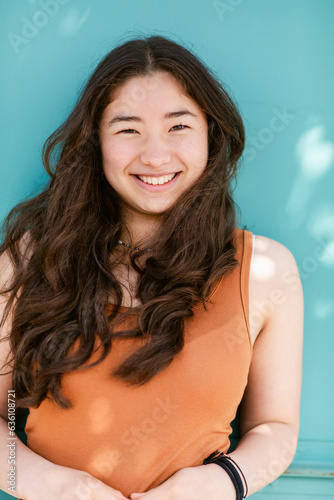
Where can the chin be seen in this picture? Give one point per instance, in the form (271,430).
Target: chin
(156,210)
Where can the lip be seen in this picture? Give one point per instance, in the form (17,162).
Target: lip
(158,187)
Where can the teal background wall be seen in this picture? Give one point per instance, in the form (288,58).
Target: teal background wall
(276,56)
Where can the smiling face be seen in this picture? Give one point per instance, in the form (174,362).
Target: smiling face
(154,142)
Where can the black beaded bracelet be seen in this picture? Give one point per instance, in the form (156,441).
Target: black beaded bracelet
(232,469)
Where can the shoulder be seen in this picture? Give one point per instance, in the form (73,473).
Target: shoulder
(271,255)
(6,269)
(274,283)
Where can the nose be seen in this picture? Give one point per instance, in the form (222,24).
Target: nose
(155,152)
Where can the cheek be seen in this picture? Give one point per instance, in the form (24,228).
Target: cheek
(116,155)
(194,151)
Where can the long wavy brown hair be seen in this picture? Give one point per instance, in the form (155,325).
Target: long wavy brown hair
(62,242)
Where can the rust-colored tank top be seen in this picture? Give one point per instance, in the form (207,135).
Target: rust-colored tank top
(133,438)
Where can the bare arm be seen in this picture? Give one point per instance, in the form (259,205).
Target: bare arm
(270,406)
(23,461)
(35,477)
(271,403)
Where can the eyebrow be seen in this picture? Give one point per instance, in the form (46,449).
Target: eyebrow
(172,114)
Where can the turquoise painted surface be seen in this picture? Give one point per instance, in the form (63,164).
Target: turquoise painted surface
(275,57)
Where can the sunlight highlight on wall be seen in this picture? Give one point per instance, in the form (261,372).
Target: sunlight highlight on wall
(315,157)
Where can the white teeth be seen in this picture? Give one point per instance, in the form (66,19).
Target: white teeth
(156,180)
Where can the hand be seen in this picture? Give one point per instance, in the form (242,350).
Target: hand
(193,483)
(63,483)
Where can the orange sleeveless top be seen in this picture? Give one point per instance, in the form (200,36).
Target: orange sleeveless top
(133,438)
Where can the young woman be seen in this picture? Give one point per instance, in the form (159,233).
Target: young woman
(136,315)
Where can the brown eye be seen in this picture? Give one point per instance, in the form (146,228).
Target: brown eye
(183,127)
(127,131)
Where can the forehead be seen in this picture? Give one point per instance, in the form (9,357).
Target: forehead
(156,90)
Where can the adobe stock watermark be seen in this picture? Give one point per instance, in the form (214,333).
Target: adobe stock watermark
(223,7)
(310,264)
(280,119)
(31,27)
(292,279)
(291,282)
(276,465)
(12,439)
(85,486)
(137,434)
(136,93)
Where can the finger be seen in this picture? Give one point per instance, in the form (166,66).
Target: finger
(134,496)
(116,494)
(102,490)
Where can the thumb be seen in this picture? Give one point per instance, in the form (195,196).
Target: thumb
(134,496)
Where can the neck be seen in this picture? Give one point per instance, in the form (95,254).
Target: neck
(139,228)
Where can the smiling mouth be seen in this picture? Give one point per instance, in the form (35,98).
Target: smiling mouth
(164,179)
